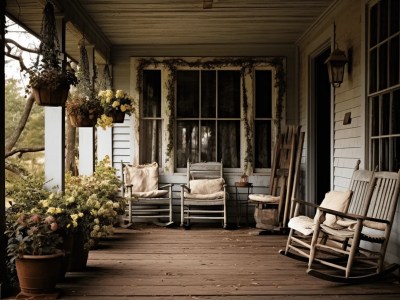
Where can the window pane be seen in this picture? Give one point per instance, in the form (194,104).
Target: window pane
(384,155)
(373,25)
(396,113)
(208,94)
(383,66)
(394,61)
(229,143)
(262,144)
(394,16)
(187,94)
(374,154)
(383,22)
(375,116)
(151,93)
(187,143)
(228,94)
(373,74)
(263,94)
(208,139)
(152,145)
(385,114)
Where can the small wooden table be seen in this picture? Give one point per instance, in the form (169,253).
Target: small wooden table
(249,187)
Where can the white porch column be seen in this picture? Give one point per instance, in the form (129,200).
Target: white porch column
(87,134)
(54,131)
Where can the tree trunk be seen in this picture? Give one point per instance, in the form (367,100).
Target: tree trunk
(70,162)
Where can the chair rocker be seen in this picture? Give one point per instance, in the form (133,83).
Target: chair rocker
(302,227)
(147,201)
(372,228)
(204,195)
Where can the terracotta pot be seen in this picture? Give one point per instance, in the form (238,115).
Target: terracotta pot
(38,274)
(118,116)
(83,121)
(45,97)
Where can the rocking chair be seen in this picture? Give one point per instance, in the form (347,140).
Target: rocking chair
(146,199)
(373,228)
(302,227)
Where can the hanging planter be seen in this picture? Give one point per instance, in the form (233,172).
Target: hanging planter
(117,116)
(49,82)
(80,120)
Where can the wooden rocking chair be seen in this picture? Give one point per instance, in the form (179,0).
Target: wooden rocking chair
(302,227)
(204,195)
(146,199)
(373,228)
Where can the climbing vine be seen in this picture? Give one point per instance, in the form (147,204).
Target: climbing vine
(246,66)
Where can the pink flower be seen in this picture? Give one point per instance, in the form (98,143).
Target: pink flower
(49,219)
(53,226)
(35,218)
(21,219)
(33,230)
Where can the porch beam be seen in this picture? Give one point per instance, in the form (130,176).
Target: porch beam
(87,134)
(54,131)
(77,15)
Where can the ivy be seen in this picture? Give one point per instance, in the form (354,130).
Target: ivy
(246,66)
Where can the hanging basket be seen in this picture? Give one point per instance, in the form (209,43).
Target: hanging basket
(46,97)
(117,116)
(38,274)
(82,120)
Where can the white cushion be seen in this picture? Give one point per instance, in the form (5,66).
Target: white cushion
(334,200)
(143,178)
(206,186)
(150,194)
(212,196)
(264,198)
(302,224)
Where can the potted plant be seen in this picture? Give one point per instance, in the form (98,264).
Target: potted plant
(33,244)
(116,105)
(82,106)
(49,82)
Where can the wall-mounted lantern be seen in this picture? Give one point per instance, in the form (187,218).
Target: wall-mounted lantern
(335,63)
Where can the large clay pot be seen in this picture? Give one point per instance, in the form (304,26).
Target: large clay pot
(38,274)
(46,97)
(79,255)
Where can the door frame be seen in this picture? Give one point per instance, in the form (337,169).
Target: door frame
(311,141)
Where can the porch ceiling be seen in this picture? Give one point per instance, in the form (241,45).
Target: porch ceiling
(113,23)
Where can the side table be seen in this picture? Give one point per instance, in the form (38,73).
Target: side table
(239,202)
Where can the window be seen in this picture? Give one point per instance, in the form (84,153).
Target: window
(208,117)
(384,85)
(151,121)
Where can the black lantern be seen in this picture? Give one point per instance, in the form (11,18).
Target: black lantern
(335,63)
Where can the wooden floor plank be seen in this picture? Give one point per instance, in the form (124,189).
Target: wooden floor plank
(155,263)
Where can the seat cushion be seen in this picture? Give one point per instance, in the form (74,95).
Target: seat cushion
(150,194)
(264,198)
(211,196)
(334,200)
(206,186)
(302,224)
(143,178)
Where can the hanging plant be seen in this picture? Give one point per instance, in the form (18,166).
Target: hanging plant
(49,82)
(82,107)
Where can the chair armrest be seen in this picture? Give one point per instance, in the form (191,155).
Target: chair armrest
(129,185)
(166,186)
(351,216)
(185,187)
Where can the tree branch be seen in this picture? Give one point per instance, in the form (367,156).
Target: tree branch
(10,41)
(22,122)
(23,150)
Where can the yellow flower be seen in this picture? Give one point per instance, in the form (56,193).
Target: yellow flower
(123,108)
(109,94)
(119,94)
(51,210)
(44,203)
(115,103)
(58,210)
(80,214)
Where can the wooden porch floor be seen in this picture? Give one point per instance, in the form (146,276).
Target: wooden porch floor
(205,263)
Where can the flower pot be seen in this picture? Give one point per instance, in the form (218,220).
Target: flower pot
(46,97)
(117,116)
(38,274)
(79,254)
(82,120)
